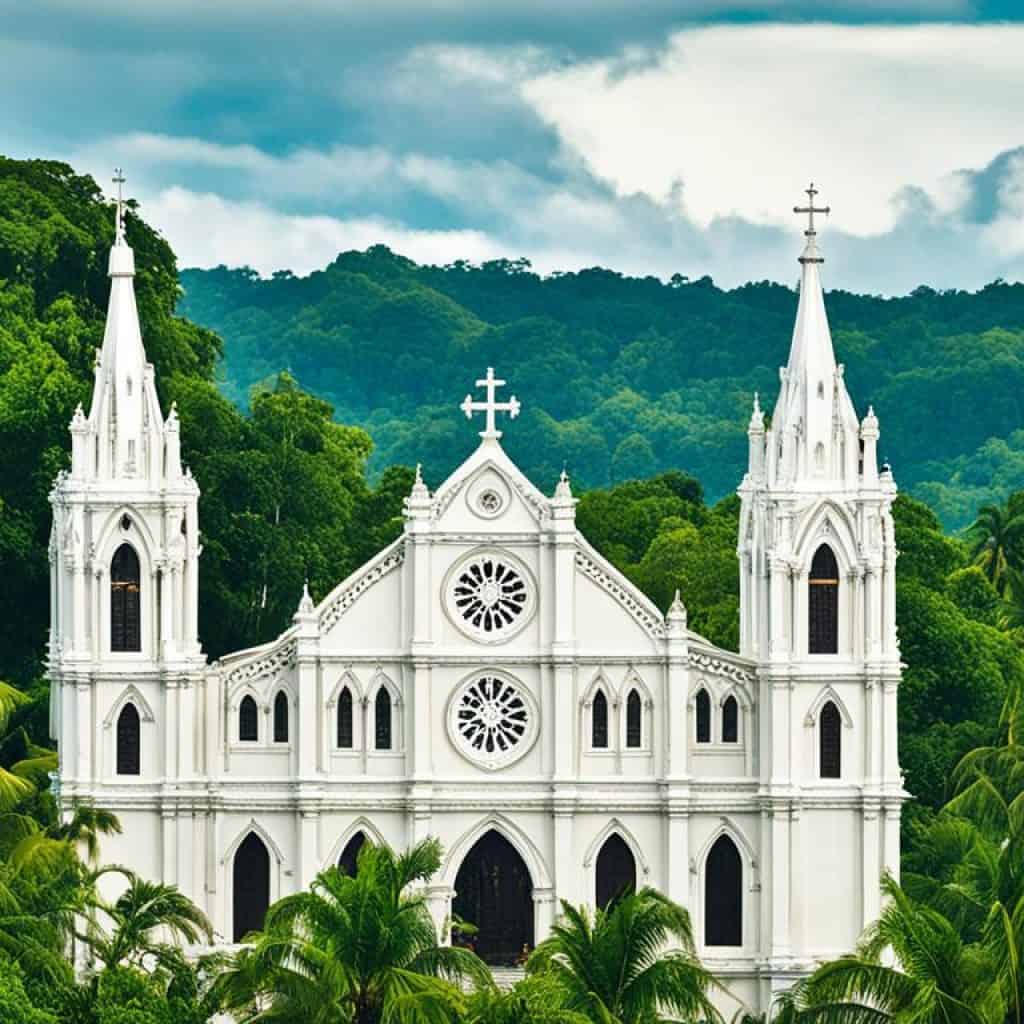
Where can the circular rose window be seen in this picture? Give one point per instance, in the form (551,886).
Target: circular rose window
(492,720)
(489,597)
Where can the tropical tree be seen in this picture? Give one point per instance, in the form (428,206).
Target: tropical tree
(537,999)
(936,977)
(996,537)
(141,918)
(617,966)
(354,949)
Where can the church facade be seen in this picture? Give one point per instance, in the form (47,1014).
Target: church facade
(491,680)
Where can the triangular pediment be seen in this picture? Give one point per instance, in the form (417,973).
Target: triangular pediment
(489,491)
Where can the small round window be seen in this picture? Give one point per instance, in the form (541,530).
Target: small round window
(489,502)
(489,597)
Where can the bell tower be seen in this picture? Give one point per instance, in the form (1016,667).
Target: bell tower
(818,614)
(124,563)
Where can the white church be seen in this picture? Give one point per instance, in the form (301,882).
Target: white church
(491,680)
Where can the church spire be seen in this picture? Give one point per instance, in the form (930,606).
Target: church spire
(815,424)
(125,414)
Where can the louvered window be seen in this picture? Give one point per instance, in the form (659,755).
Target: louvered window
(599,722)
(634,720)
(730,721)
(830,741)
(248,720)
(345,719)
(703,717)
(281,717)
(125,606)
(128,741)
(382,719)
(823,603)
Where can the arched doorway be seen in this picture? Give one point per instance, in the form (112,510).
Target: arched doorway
(349,859)
(616,870)
(494,892)
(251,886)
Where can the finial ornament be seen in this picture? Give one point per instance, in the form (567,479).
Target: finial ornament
(810,253)
(563,489)
(306,601)
(490,405)
(676,616)
(119,180)
(756,415)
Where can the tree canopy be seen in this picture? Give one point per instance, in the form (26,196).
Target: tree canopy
(625,377)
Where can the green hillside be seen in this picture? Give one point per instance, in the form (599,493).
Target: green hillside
(623,377)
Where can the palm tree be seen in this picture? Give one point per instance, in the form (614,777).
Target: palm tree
(139,916)
(354,949)
(537,999)
(940,979)
(616,967)
(996,536)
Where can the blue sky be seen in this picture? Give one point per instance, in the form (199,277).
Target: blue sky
(648,136)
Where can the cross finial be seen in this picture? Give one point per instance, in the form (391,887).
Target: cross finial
(119,181)
(490,405)
(810,209)
(811,253)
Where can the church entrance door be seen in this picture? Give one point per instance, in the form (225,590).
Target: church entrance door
(494,892)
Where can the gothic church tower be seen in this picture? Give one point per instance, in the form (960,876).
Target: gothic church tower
(124,557)
(817,570)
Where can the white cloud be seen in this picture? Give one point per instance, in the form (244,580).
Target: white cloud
(205,230)
(743,115)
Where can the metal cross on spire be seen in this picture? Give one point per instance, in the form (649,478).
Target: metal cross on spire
(811,253)
(490,405)
(119,180)
(810,209)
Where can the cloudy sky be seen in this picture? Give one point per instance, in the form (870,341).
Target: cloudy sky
(645,135)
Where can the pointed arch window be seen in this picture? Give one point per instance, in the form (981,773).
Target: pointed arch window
(723,895)
(128,741)
(345,719)
(382,719)
(830,740)
(634,720)
(703,703)
(251,886)
(248,720)
(615,872)
(730,720)
(599,721)
(281,717)
(125,604)
(823,603)
(349,859)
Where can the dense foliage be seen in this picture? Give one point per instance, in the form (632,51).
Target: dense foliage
(625,377)
(285,495)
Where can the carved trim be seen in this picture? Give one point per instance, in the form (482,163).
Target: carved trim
(281,658)
(348,596)
(649,619)
(708,663)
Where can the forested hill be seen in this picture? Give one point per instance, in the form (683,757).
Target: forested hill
(621,377)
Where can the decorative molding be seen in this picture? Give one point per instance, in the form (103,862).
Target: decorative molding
(720,667)
(648,618)
(282,657)
(348,595)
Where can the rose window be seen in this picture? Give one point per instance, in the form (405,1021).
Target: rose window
(492,720)
(490,596)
